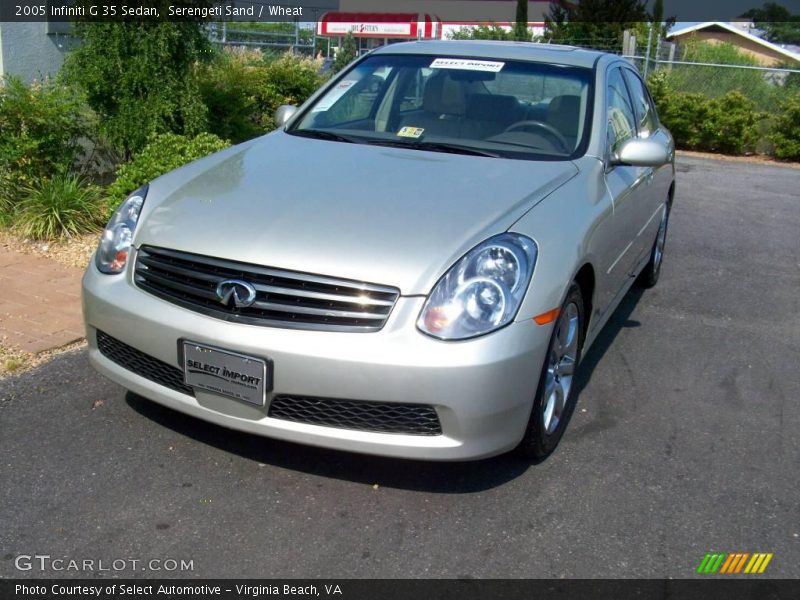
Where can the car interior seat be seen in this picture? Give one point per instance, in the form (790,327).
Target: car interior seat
(563,114)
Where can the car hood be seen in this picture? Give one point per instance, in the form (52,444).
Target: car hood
(382,215)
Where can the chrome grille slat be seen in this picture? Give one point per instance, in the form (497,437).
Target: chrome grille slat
(274,289)
(148,262)
(303,310)
(235,267)
(284,298)
(181,287)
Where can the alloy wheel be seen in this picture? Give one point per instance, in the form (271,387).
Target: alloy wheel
(560,368)
(661,240)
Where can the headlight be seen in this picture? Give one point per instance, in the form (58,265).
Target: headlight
(115,246)
(482,291)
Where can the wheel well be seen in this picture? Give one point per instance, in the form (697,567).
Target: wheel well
(585,279)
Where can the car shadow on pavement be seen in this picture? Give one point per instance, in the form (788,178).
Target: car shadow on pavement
(448,478)
(620,319)
(441,477)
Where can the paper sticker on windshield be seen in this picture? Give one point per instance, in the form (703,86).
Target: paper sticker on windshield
(466,64)
(411,132)
(337,92)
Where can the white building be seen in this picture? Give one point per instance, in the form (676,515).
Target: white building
(33,50)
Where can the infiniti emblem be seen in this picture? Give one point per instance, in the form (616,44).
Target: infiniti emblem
(242,293)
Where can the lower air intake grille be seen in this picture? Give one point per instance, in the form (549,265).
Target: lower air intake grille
(142,364)
(382,417)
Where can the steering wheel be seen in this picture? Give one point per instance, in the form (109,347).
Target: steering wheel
(547,128)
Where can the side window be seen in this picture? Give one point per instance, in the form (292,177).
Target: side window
(620,113)
(645,115)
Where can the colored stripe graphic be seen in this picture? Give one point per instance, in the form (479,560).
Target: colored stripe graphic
(711,563)
(758,563)
(741,562)
(734,562)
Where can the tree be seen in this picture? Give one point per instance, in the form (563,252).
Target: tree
(521,31)
(660,26)
(482,32)
(346,54)
(137,77)
(777,23)
(593,23)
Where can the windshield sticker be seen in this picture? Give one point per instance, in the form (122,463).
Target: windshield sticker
(331,98)
(411,132)
(466,64)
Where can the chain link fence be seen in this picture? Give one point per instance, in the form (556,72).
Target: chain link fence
(268,37)
(683,69)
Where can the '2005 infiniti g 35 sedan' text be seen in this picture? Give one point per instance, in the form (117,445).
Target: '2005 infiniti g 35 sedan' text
(411,265)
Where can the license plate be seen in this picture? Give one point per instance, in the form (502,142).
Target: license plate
(225,373)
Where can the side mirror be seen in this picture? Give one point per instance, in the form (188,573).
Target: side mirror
(641,153)
(284,113)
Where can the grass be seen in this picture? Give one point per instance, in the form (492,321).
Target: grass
(12,361)
(64,206)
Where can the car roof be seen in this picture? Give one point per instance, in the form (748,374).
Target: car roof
(500,50)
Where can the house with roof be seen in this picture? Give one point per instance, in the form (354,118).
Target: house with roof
(766,53)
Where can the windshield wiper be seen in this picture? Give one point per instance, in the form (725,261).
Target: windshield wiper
(435,147)
(322,134)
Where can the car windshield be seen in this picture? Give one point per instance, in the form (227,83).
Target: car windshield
(512,109)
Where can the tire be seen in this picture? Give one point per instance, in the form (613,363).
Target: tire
(554,401)
(652,271)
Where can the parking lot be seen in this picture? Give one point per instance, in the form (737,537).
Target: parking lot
(685,440)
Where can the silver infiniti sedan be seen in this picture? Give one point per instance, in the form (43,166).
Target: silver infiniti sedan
(411,265)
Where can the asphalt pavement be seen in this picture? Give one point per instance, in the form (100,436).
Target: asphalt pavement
(685,440)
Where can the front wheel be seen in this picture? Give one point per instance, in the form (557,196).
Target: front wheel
(554,400)
(649,276)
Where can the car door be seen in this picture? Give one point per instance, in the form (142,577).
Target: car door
(626,184)
(657,179)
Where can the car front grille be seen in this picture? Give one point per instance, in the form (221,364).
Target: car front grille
(142,364)
(381,417)
(283,298)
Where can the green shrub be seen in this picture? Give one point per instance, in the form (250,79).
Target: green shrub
(290,79)
(242,90)
(685,116)
(731,125)
(63,206)
(137,77)
(786,129)
(726,124)
(40,128)
(482,32)
(230,87)
(164,153)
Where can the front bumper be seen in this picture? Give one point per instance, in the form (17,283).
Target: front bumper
(481,389)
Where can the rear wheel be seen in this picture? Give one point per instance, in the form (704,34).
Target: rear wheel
(554,400)
(650,274)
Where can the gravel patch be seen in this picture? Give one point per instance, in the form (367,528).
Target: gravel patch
(72,252)
(14,362)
